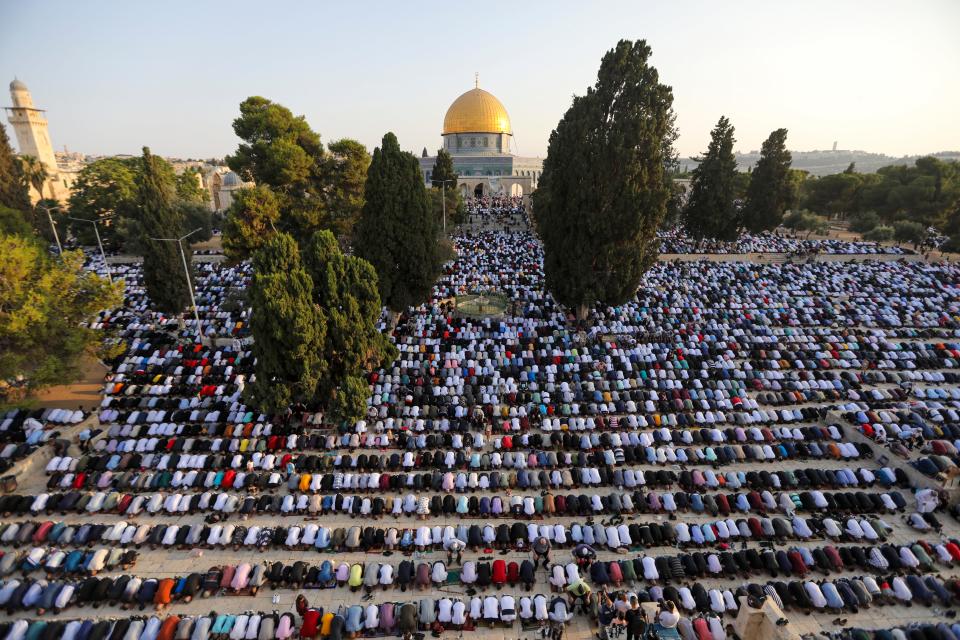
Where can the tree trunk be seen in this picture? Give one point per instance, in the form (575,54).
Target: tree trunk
(393,319)
(582,311)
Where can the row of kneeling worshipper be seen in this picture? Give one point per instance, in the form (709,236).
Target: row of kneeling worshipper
(249,578)
(58,561)
(583,434)
(176,500)
(255,469)
(346,622)
(697,446)
(519,535)
(461,481)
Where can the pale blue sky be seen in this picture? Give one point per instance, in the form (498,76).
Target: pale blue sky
(876,75)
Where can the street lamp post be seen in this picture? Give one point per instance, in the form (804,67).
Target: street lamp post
(53,227)
(186,272)
(96,231)
(443,198)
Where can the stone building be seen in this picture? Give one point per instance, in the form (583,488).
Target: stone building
(33,139)
(477,133)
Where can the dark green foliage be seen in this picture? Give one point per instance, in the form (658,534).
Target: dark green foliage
(43,301)
(159,218)
(189,188)
(197,216)
(105,188)
(279,149)
(443,172)
(397,231)
(711,210)
(863,222)
(881,233)
(14,192)
(833,194)
(806,221)
(314,326)
(346,174)
(908,231)
(769,193)
(923,193)
(281,152)
(345,291)
(288,328)
(604,189)
(14,223)
(253,216)
(456,208)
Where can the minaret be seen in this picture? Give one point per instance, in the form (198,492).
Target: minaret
(30,126)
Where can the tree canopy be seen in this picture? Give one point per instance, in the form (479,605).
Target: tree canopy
(253,216)
(288,328)
(35,174)
(604,188)
(443,172)
(13,187)
(345,290)
(924,192)
(162,265)
(397,231)
(314,326)
(314,190)
(43,302)
(106,191)
(770,192)
(346,174)
(711,210)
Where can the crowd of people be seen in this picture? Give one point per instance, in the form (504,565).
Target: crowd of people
(676,240)
(716,437)
(496,211)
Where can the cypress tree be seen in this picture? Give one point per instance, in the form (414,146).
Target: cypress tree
(443,171)
(345,292)
(604,188)
(711,210)
(397,232)
(14,192)
(159,217)
(288,328)
(770,187)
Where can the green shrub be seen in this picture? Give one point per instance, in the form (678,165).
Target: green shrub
(908,231)
(881,233)
(863,222)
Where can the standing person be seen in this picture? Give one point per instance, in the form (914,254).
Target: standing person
(541,551)
(636,621)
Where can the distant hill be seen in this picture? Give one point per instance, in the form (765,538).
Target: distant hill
(821,163)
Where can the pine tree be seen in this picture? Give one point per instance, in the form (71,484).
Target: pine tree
(443,172)
(14,192)
(252,217)
(604,188)
(770,187)
(345,291)
(711,210)
(288,328)
(397,232)
(162,265)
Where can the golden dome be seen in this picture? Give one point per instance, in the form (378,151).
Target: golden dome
(476,111)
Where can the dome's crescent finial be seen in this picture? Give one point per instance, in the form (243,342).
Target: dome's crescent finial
(476,79)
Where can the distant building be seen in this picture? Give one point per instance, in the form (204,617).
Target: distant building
(226,185)
(33,139)
(477,134)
